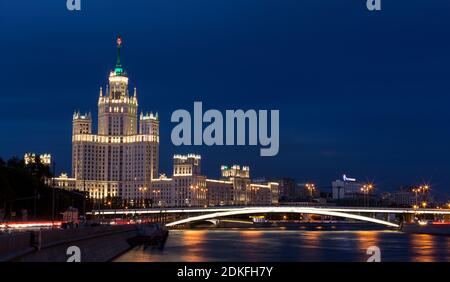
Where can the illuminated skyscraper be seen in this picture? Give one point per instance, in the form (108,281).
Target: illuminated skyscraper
(122,158)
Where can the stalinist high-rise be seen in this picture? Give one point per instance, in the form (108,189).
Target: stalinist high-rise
(122,158)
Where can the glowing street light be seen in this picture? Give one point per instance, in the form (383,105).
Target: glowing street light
(416,190)
(311,188)
(421,189)
(366,188)
(143,191)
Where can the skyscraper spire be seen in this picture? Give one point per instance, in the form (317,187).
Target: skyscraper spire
(119,69)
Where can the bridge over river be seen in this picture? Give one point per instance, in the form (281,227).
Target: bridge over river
(193,214)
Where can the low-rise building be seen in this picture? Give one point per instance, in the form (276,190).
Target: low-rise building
(64,182)
(402,198)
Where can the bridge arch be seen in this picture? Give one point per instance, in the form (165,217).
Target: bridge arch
(281,210)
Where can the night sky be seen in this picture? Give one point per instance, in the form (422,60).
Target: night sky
(359,92)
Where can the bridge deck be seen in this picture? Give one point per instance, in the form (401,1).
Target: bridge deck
(286,208)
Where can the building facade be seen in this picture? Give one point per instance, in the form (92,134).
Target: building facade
(220,192)
(288,189)
(121,159)
(402,198)
(189,188)
(64,182)
(30,158)
(346,188)
(247,193)
(240,179)
(186,187)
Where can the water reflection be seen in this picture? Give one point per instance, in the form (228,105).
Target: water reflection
(193,239)
(423,246)
(365,240)
(251,236)
(292,245)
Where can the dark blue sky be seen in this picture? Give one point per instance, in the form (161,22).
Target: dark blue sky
(359,92)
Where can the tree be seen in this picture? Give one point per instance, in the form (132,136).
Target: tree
(25,187)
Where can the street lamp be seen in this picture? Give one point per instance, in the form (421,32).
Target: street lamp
(145,196)
(366,188)
(416,190)
(143,190)
(425,189)
(421,189)
(311,188)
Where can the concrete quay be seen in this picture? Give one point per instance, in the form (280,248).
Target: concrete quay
(92,244)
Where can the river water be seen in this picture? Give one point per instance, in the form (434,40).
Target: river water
(292,245)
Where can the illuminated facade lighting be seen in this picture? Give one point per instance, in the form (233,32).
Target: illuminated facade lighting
(123,156)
